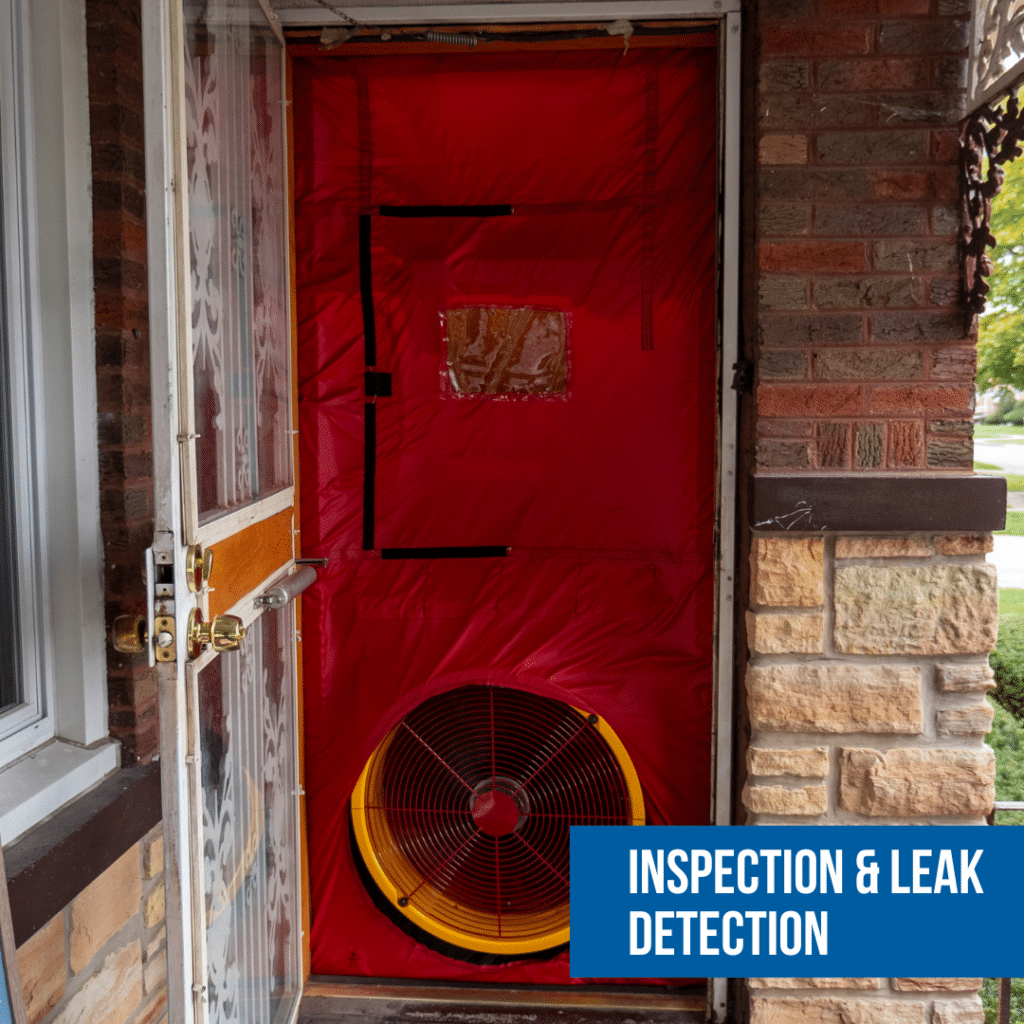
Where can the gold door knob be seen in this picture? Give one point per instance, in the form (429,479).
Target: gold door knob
(222,633)
(130,634)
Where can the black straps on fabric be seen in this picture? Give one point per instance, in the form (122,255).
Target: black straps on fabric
(366,290)
(491,551)
(378,385)
(493,210)
(369,472)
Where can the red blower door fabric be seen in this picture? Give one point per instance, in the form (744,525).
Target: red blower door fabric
(507,377)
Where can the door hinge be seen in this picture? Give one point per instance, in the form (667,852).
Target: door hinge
(743,377)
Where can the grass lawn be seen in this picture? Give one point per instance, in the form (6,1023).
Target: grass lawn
(985,431)
(1014,523)
(1014,481)
(1011,603)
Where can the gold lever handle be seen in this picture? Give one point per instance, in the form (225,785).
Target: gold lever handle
(222,633)
(131,634)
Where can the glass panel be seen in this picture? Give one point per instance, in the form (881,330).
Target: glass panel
(238,253)
(11,689)
(250,865)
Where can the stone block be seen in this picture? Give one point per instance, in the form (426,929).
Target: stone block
(964,544)
(805,763)
(154,973)
(960,1011)
(153,908)
(155,1012)
(960,678)
(910,782)
(883,547)
(835,697)
(153,857)
(807,800)
(932,609)
(111,995)
(971,721)
(791,983)
(936,984)
(43,970)
(787,571)
(781,633)
(773,1010)
(104,908)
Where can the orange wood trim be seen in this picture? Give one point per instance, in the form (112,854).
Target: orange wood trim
(300,703)
(244,560)
(399,48)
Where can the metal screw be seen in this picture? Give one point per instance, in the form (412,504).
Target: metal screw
(403,901)
(592,720)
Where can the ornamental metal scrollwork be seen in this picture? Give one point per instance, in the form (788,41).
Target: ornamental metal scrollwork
(999,43)
(991,137)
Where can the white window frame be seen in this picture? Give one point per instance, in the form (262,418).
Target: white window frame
(55,745)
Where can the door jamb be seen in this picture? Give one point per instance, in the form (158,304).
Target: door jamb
(728,12)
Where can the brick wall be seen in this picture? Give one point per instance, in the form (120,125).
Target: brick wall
(122,356)
(104,957)
(866,668)
(863,360)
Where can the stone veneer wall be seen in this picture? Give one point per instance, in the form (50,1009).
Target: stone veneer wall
(866,689)
(103,959)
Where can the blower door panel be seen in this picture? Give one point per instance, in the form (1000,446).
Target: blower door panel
(506,305)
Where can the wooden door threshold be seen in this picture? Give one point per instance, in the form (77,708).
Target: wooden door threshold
(363,1001)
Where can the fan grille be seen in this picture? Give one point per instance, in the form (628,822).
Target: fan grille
(462,813)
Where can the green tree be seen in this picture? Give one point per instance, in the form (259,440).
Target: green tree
(1001,327)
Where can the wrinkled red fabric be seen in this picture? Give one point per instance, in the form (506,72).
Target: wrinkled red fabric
(604,496)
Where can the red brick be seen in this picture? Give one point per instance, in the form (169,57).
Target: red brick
(940,183)
(847,8)
(786,428)
(906,444)
(783,149)
(810,256)
(921,399)
(871,74)
(955,363)
(945,146)
(796,400)
(835,41)
(896,8)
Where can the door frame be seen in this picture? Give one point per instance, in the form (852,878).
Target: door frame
(728,14)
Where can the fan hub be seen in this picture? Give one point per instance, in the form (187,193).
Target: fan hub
(498,807)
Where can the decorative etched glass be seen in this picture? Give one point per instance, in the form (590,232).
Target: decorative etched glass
(238,254)
(250,866)
(998,48)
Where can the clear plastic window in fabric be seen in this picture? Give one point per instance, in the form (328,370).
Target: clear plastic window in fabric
(505,351)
